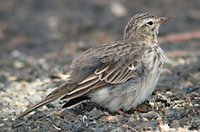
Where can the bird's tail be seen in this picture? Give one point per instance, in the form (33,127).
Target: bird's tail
(54,95)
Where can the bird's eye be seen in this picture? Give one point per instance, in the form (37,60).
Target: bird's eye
(150,23)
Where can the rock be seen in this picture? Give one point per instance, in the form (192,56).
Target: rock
(118,9)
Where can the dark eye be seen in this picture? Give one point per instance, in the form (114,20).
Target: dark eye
(150,23)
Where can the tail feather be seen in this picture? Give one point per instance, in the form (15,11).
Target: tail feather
(54,95)
(39,104)
(69,91)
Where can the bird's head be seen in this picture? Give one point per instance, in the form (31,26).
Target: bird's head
(143,25)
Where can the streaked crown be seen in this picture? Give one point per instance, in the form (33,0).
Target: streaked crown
(143,25)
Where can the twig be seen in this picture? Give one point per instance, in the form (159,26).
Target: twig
(181,53)
(173,38)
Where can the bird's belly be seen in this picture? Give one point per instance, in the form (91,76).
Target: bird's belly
(125,96)
(151,77)
(153,64)
(148,86)
(131,93)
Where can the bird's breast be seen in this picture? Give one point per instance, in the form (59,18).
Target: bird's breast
(153,61)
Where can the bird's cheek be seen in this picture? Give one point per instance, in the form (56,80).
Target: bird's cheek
(144,32)
(155,30)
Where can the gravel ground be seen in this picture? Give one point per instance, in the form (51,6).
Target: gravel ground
(39,39)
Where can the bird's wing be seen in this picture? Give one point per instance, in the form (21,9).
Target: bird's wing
(109,74)
(116,64)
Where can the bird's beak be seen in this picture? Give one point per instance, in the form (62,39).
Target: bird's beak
(163,19)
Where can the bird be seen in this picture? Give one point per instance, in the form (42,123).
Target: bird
(117,76)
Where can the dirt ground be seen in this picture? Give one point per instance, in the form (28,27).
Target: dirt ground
(39,39)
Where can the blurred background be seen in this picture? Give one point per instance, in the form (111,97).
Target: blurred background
(40,38)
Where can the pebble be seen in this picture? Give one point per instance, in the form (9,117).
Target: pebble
(118,129)
(175,124)
(118,9)
(150,115)
(18,64)
(95,113)
(16,53)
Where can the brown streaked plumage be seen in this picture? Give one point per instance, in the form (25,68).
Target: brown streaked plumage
(117,75)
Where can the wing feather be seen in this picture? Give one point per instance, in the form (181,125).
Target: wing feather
(85,85)
(92,81)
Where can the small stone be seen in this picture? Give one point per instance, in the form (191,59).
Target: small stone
(166,72)
(181,129)
(175,124)
(100,129)
(2,86)
(164,128)
(35,98)
(18,64)
(169,93)
(152,104)
(95,113)
(16,53)
(150,115)
(145,119)
(118,129)
(111,118)
(118,9)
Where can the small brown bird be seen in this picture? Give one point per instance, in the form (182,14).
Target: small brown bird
(116,75)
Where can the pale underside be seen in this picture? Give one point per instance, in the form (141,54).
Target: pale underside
(137,89)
